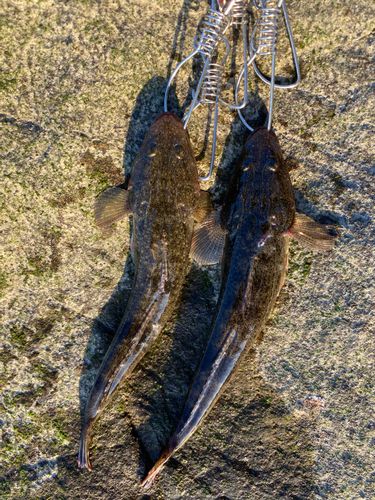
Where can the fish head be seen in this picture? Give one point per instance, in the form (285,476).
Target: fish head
(165,171)
(272,193)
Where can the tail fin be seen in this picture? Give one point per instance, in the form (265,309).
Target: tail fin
(83,453)
(147,483)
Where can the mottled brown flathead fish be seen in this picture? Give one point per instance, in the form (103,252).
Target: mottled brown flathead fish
(164,197)
(251,236)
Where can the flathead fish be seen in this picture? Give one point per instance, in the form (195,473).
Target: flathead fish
(252,231)
(164,197)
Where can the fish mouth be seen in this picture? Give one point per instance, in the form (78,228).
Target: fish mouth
(256,131)
(264,132)
(170,117)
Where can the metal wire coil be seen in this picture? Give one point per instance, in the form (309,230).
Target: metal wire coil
(209,38)
(268,31)
(237,14)
(211,84)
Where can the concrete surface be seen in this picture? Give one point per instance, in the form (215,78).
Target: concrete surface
(80,83)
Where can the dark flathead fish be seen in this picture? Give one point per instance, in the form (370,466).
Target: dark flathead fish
(164,197)
(253,228)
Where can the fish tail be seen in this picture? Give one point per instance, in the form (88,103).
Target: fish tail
(83,452)
(147,483)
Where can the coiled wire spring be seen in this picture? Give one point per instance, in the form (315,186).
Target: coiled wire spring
(211,84)
(267,41)
(215,24)
(213,27)
(237,14)
(219,18)
(268,28)
(208,90)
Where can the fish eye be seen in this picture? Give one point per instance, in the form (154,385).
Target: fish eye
(179,151)
(272,165)
(151,150)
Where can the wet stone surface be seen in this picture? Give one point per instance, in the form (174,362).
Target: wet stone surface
(80,83)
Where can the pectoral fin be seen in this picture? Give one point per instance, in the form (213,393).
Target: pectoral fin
(111,205)
(311,234)
(204,206)
(208,240)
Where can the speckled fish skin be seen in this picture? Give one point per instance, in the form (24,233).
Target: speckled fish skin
(259,208)
(165,192)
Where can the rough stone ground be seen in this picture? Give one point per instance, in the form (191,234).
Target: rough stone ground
(80,83)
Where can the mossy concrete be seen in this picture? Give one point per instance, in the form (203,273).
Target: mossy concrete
(80,83)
